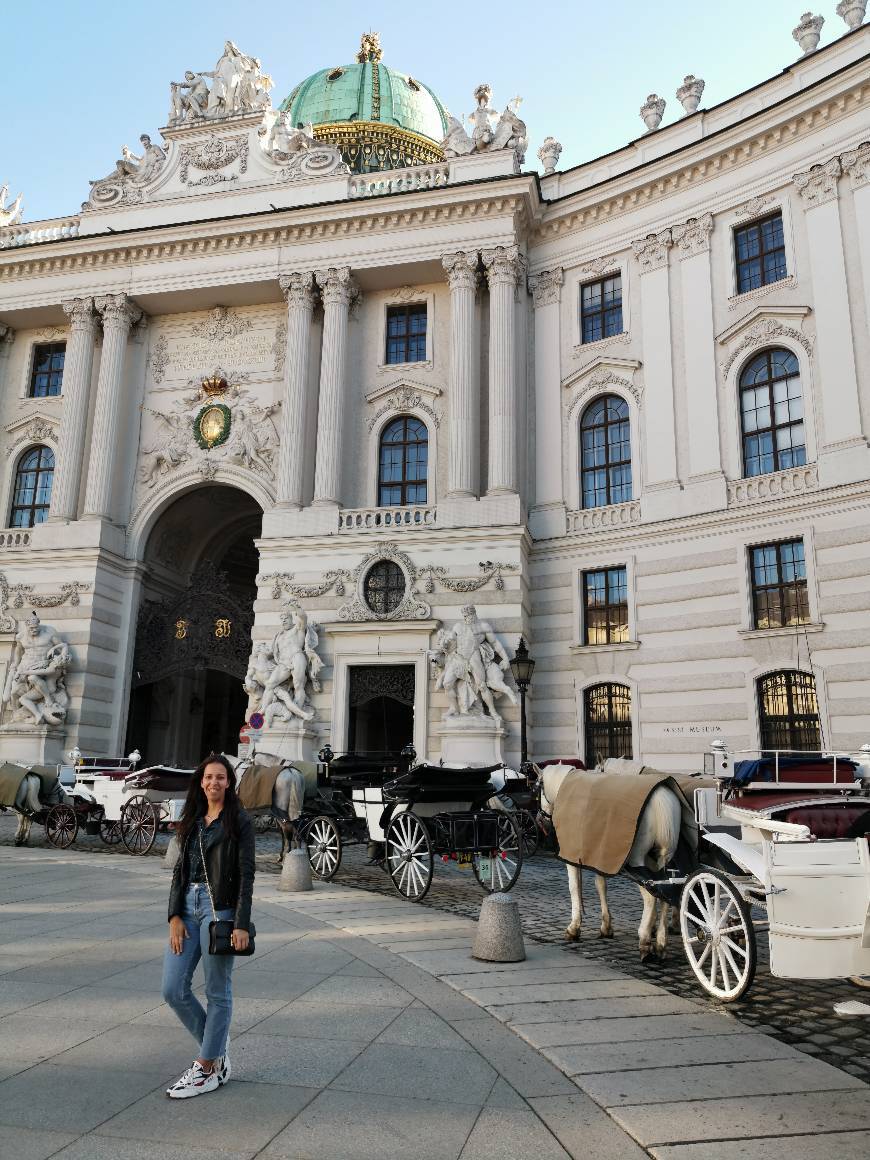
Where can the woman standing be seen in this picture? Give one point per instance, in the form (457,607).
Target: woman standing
(216,862)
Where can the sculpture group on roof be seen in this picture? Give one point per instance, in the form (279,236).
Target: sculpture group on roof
(490,131)
(238,86)
(10,215)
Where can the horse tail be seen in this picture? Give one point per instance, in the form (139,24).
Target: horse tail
(31,793)
(665,816)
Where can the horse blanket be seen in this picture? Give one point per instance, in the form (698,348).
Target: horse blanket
(258,783)
(12,775)
(596,817)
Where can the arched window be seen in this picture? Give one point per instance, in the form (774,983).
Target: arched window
(403,462)
(605,453)
(788,712)
(607,712)
(31,494)
(772,413)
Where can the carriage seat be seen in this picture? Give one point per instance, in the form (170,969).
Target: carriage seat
(832,821)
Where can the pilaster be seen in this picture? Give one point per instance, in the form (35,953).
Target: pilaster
(7,337)
(78,365)
(118,315)
(300,292)
(856,163)
(548,516)
(843,456)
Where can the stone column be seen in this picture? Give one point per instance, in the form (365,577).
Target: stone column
(118,314)
(463,480)
(300,292)
(337,290)
(660,449)
(857,164)
(843,455)
(706,480)
(78,365)
(546,288)
(502,266)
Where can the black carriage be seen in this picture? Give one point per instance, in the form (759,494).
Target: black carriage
(409,816)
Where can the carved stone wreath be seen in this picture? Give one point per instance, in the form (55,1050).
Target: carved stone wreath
(19,595)
(159,359)
(214,155)
(403,399)
(222,323)
(761,332)
(599,382)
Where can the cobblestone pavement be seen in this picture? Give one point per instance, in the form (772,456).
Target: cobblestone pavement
(797,1012)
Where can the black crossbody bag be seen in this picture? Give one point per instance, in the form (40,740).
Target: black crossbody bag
(220,930)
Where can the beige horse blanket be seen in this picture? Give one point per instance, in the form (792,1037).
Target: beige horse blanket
(12,775)
(258,783)
(596,816)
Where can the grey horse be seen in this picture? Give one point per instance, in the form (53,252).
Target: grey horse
(288,796)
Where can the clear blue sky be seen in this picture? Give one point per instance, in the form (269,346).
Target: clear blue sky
(80,79)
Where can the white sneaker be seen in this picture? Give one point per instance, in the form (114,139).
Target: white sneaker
(222,1066)
(194,1082)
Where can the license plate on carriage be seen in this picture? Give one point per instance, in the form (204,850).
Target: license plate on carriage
(484,866)
(463,861)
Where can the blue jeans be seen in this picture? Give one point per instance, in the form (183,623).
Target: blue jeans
(209,1027)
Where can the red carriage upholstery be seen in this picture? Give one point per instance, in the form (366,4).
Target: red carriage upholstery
(832,820)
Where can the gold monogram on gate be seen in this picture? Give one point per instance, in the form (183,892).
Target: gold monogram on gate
(222,627)
(180,629)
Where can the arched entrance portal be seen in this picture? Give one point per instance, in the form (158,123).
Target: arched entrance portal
(193,634)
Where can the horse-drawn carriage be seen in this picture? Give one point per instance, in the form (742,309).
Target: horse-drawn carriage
(409,815)
(786,834)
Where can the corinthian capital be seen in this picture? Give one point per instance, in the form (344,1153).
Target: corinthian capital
(80,312)
(461,270)
(694,237)
(546,287)
(118,311)
(503,265)
(336,286)
(7,335)
(298,289)
(857,164)
(818,184)
(652,251)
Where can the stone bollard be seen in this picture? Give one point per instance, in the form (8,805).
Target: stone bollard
(499,937)
(171,855)
(296,871)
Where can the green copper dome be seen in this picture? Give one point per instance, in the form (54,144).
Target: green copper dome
(380,118)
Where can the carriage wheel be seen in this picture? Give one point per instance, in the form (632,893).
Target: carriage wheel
(324,847)
(528,832)
(61,826)
(138,824)
(718,936)
(409,856)
(110,831)
(499,869)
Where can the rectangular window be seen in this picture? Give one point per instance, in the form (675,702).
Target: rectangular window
(46,373)
(406,334)
(605,606)
(601,308)
(759,251)
(779,585)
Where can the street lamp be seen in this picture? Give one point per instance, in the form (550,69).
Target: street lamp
(522,667)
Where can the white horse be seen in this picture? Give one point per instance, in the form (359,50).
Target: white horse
(288,797)
(26,804)
(655,843)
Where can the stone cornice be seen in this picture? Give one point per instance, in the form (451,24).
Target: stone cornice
(229,236)
(669,176)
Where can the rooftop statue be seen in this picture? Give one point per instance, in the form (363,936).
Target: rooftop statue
(132,172)
(489,130)
(238,87)
(10,215)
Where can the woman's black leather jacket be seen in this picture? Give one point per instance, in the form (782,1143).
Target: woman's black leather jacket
(230,867)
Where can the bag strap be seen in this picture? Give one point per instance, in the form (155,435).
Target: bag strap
(205,872)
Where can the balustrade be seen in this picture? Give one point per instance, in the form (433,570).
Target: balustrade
(363,519)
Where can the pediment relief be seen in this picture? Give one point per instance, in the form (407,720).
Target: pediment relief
(766,325)
(403,395)
(600,374)
(37,427)
(425,389)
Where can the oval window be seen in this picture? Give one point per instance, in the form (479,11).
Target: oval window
(384,587)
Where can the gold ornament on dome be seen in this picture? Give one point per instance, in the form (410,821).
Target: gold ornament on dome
(370,48)
(373,146)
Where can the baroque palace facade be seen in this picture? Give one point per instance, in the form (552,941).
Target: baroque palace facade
(320,376)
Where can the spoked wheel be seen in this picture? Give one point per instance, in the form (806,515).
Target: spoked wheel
(61,826)
(409,856)
(139,819)
(499,869)
(528,832)
(324,847)
(110,832)
(718,936)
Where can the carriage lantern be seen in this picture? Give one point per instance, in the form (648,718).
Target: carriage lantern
(522,667)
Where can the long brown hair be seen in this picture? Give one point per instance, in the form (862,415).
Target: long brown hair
(196,803)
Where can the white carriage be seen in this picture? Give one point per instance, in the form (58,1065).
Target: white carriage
(786,839)
(126,804)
